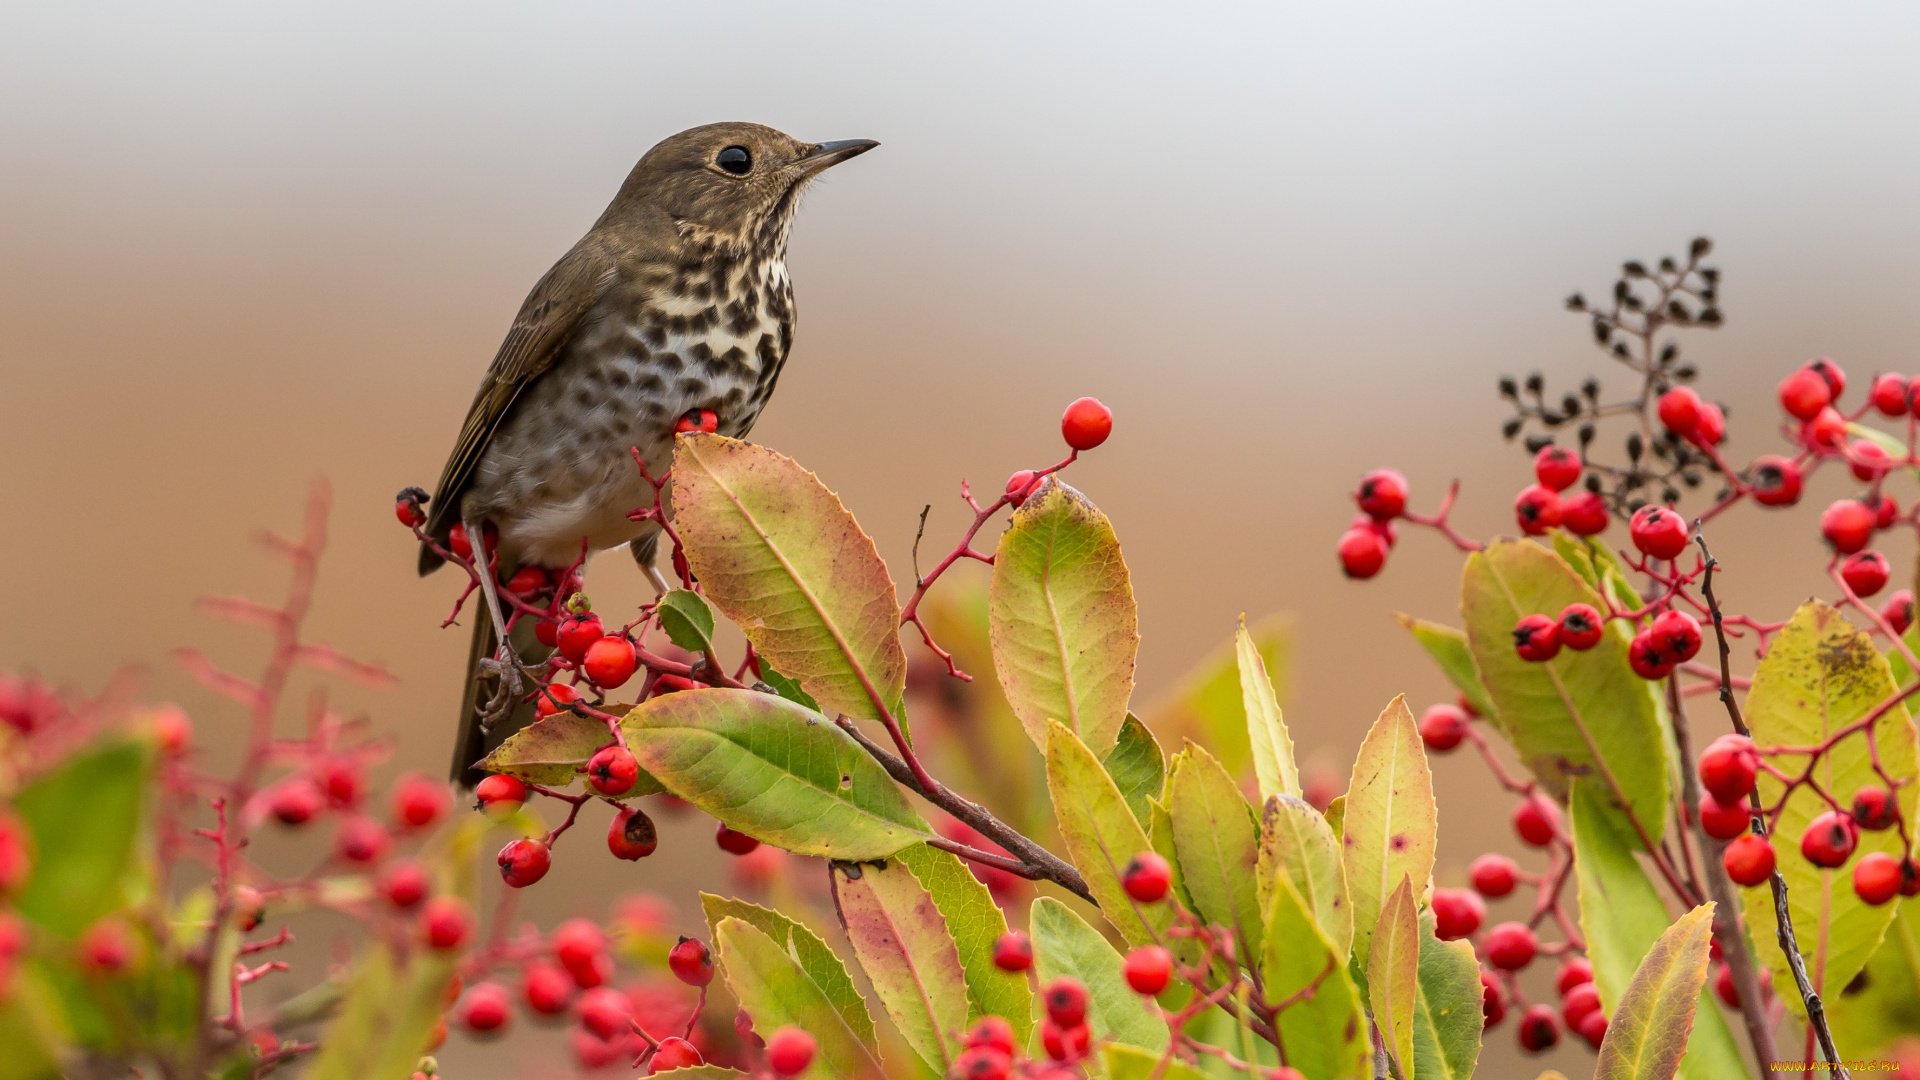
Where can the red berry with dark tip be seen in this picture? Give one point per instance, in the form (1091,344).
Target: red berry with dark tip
(1898,611)
(1539,1030)
(691,962)
(611,771)
(1831,372)
(993,1031)
(1065,1043)
(403,883)
(1658,531)
(296,801)
(409,513)
(1874,809)
(733,842)
(1909,878)
(500,791)
(1493,875)
(1537,820)
(1680,410)
(1865,572)
(523,862)
(1442,727)
(631,835)
(361,840)
(1884,508)
(982,1063)
(1584,514)
(1830,839)
(1536,638)
(1086,423)
(1147,877)
(1876,878)
(1148,968)
(1847,525)
(1748,860)
(554,698)
(1457,913)
(487,1008)
(1510,946)
(790,1050)
(1575,971)
(1557,468)
(1580,627)
(1676,634)
(1382,494)
(610,661)
(1728,766)
(1013,951)
(1804,393)
(1065,999)
(1776,480)
(1537,508)
(577,634)
(1647,659)
(1826,431)
(446,922)
(1723,821)
(1890,394)
(1867,461)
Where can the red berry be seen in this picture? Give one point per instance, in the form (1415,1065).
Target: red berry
(1536,638)
(1537,819)
(610,661)
(591,1051)
(1867,460)
(604,1011)
(547,632)
(1830,371)
(993,1031)
(1148,968)
(631,836)
(172,729)
(553,698)
(1537,509)
(1776,480)
(1874,809)
(527,580)
(1722,821)
(1876,878)
(1557,468)
(1584,514)
(790,1050)
(409,512)
(1362,553)
(1576,970)
(461,546)
(734,843)
(1457,913)
(1680,410)
(611,771)
(1086,423)
(107,947)
(1577,1002)
(1884,508)
(361,840)
(447,922)
(13,936)
(1748,859)
(1676,634)
(1510,946)
(1493,875)
(691,962)
(577,634)
(1580,627)
(982,1063)
(295,801)
(1013,951)
(1647,659)
(524,861)
(403,883)
(1382,494)
(1493,1004)
(1066,1001)
(1593,1028)
(249,907)
(1829,839)
(1658,532)
(545,987)
(697,420)
(1020,485)
(1865,572)
(500,790)
(419,801)
(1387,530)
(1898,611)
(1712,427)
(1442,727)
(1909,878)
(1728,766)
(1827,430)
(487,1008)
(340,780)
(1146,877)
(1724,987)
(1804,393)
(1539,1031)
(1065,1043)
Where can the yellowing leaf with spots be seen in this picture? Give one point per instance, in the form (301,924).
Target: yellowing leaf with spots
(1391,820)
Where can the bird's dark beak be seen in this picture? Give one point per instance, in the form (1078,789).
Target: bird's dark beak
(828,154)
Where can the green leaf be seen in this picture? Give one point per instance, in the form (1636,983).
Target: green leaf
(817,961)
(552,751)
(1391,819)
(1063,944)
(773,770)
(1325,1032)
(1160,835)
(1447,1018)
(1100,833)
(1062,616)
(787,688)
(1580,713)
(687,620)
(1132,1063)
(388,1016)
(85,817)
(1449,649)
(1219,848)
(1295,841)
(774,991)
(1267,734)
(902,943)
(1208,705)
(1883,1002)
(779,555)
(30,1027)
(1393,972)
(1647,1032)
(976,922)
(1622,914)
(1819,675)
(1336,815)
(1137,766)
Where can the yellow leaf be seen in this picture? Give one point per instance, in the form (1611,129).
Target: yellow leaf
(1390,820)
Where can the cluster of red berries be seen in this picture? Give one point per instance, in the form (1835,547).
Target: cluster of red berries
(1085,425)
(1363,548)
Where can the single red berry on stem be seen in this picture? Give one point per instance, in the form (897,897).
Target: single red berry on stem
(1537,820)
(993,1031)
(1898,611)
(403,883)
(1826,431)
(611,771)
(1086,423)
(604,1011)
(1748,860)
(674,1053)
(577,634)
(1876,878)
(1711,428)
(107,948)
(1493,875)
(1865,572)
(733,842)
(1577,1002)
(631,836)
(340,780)
(691,962)
(790,1050)
(1867,460)
(361,840)
(1836,378)
(1647,659)
(1557,468)
(1584,514)
(1539,1030)
(418,801)
(1680,410)
(500,791)
(1776,480)
(409,512)
(1847,525)
(1362,553)
(1510,946)
(1457,913)
(545,988)
(1728,766)
(554,698)
(982,1063)
(1382,494)
(1575,971)
(527,580)
(487,1008)
(1013,951)
(1442,727)
(1874,809)
(1581,627)
(1676,634)
(1658,531)
(1536,638)
(523,862)
(1890,394)
(1723,821)
(1065,999)
(1884,508)
(296,801)
(610,661)
(1830,839)
(1021,485)
(1065,1042)
(1147,877)
(547,631)
(1537,509)
(1148,968)
(1804,393)
(446,922)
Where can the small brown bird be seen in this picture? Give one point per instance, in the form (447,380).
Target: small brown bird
(675,302)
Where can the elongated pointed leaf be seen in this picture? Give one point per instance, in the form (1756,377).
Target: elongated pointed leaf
(773,770)
(1325,1031)
(1101,834)
(1582,712)
(1132,1063)
(1622,914)
(1207,704)
(774,991)
(1884,1002)
(1393,972)
(1819,675)
(1391,820)
(1449,649)
(1447,1018)
(1160,835)
(387,1018)
(816,959)
(1266,731)
(1137,766)
(975,922)
(787,688)
(687,620)
(1219,848)
(1297,842)
(1063,621)
(1647,1032)
(778,554)
(1063,944)
(552,751)
(902,943)
(84,817)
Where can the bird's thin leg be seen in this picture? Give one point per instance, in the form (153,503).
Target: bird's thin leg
(505,664)
(660,586)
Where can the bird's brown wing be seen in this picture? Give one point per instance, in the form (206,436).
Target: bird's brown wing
(540,332)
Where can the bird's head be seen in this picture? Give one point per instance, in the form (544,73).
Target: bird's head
(733,185)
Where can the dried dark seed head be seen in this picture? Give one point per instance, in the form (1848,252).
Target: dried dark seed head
(1510,428)
(1709,274)
(1667,264)
(1635,447)
(1535,382)
(1591,388)
(1601,331)
(1619,348)
(1678,312)
(1586,436)
(1632,302)
(1701,246)
(1690,478)
(1633,269)
(1576,302)
(1570,405)
(1509,388)
(1635,504)
(1593,483)
(1669,496)
(1668,352)
(1710,317)
(1537,443)
(1620,291)
(1551,418)
(1685,372)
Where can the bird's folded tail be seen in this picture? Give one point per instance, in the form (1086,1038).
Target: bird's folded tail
(472,744)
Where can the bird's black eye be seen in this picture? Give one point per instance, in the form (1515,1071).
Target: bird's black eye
(735,160)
